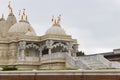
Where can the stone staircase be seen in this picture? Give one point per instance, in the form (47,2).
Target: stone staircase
(92,62)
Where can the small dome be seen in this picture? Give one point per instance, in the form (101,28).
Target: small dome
(56,29)
(2,25)
(21,27)
(11,19)
(2,18)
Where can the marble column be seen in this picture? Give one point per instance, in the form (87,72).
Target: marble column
(75,49)
(40,55)
(69,47)
(49,44)
(49,52)
(22,55)
(22,47)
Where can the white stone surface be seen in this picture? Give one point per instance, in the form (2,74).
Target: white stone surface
(56,30)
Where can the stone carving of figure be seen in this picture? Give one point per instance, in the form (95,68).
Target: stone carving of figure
(70,45)
(22,45)
(49,43)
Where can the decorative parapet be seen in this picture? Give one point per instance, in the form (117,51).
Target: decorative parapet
(29,38)
(74,41)
(50,57)
(70,61)
(56,37)
(104,60)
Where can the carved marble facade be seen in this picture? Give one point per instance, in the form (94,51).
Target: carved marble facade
(33,51)
(21,47)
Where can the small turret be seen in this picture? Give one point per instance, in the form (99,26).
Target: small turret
(24,17)
(2,24)
(11,17)
(2,18)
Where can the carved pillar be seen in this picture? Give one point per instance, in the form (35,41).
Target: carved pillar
(69,47)
(75,47)
(49,44)
(22,47)
(49,51)
(40,54)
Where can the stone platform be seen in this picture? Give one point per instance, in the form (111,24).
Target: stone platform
(61,75)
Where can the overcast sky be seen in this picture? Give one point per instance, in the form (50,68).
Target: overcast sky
(94,23)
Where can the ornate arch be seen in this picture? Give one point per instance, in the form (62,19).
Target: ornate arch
(42,47)
(60,47)
(32,46)
(32,50)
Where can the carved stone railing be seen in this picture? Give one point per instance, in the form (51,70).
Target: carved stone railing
(95,61)
(74,62)
(81,61)
(70,60)
(115,64)
(52,56)
(104,60)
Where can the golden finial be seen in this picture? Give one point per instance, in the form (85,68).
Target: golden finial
(9,6)
(26,18)
(59,19)
(24,11)
(56,22)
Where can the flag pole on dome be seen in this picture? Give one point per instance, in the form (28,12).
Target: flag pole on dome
(59,19)
(9,6)
(24,14)
(26,18)
(24,11)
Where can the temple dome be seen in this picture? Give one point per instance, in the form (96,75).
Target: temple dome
(21,27)
(56,29)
